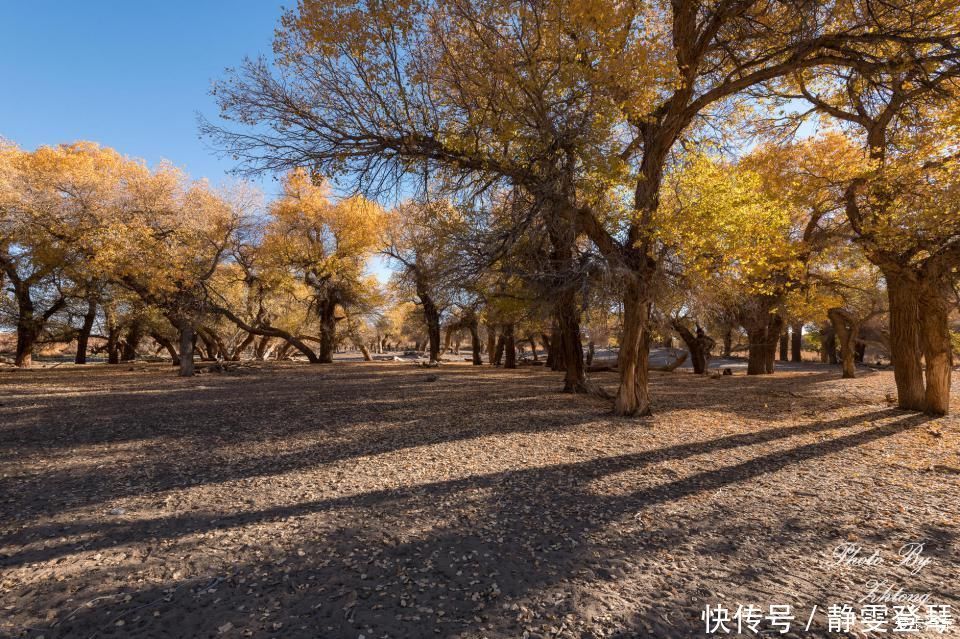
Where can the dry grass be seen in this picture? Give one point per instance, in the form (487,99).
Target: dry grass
(366,499)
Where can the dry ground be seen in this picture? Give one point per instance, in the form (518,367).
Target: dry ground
(382,500)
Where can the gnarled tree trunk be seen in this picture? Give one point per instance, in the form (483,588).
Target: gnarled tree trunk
(633,395)
(846,329)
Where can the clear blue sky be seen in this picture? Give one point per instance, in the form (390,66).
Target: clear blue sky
(130,75)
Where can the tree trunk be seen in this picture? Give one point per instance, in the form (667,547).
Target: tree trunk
(28,331)
(475,342)
(548,346)
(186,348)
(328,332)
(934,311)
(242,346)
(633,397)
(756,351)
(432,316)
(509,347)
(763,331)
(132,341)
(728,343)
(591,351)
(83,337)
(784,346)
(774,329)
(697,359)
(26,338)
(796,342)
(491,345)
(498,355)
(905,341)
(846,329)
(859,352)
(168,346)
(557,363)
(568,322)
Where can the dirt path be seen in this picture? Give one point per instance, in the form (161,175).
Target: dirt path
(380,500)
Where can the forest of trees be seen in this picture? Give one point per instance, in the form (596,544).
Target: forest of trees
(543,177)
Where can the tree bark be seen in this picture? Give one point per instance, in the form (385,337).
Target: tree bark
(498,354)
(475,342)
(633,396)
(698,345)
(728,343)
(132,341)
(509,347)
(168,346)
(328,332)
(83,337)
(905,341)
(846,330)
(784,346)
(491,345)
(796,342)
(934,315)
(568,322)
(432,316)
(186,329)
(763,331)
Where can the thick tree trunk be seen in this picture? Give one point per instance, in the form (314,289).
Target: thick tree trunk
(185,327)
(784,346)
(633,396)
(796,342)
(763,332)
(728,343)
(934,311)
(432,316)
(591,350)
(132,341)
(568,322)
(491,345)
(328,333)
(28,332)
(846,329)
(905,341)
(26,339)
(83,337)
(756,352)
(774,330)
(509,347)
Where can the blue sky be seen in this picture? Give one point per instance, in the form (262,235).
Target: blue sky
(130,75)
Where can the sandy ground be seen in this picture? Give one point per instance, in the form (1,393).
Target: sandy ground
(383,500)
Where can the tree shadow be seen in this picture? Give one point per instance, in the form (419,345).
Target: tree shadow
(495,553)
